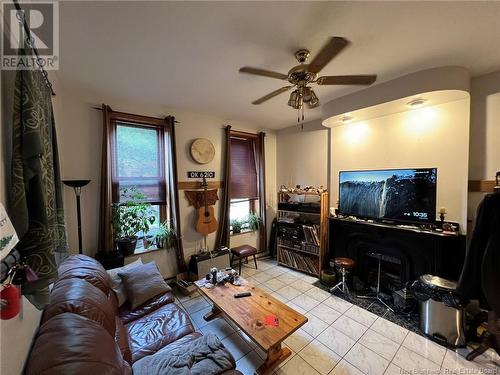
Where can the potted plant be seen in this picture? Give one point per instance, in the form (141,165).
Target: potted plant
(146,219)
(236,225)
(130,217)
(254,221)
(165,237)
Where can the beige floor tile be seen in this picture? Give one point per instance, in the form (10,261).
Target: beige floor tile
(366,360)
(320,357)
(296,366)
(298,340)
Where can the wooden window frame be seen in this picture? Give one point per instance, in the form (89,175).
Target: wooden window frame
(163,126)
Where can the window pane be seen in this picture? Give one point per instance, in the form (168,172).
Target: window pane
(139,162)
(239,210)
(137,150)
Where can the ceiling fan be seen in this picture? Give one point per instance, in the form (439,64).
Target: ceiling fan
(302,75)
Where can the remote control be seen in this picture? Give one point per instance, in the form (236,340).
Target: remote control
(242,294)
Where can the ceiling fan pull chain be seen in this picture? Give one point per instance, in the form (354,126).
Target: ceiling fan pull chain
(302,124)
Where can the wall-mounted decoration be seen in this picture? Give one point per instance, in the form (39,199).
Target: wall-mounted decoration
(200,174)
(202,150)
(8,236)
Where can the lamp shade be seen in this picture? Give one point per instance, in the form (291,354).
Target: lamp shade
(75,183)
(8,235)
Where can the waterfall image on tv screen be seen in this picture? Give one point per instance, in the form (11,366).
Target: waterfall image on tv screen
(396,194)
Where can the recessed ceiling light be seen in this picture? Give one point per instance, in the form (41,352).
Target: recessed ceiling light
(416,103)
(346,119)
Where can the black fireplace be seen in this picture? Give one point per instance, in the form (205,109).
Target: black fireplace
(405,253)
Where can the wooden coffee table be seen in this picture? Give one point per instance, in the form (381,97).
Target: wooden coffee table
(249,314)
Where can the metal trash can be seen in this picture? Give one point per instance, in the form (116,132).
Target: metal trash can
(441,310)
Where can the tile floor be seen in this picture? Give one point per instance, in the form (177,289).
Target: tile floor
(339,338)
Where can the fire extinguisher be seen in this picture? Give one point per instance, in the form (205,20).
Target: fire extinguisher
(10,297)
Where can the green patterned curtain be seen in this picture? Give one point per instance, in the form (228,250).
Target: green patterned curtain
(36,205)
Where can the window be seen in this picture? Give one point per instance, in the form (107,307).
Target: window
(140,161)
(138,164)
(244,178)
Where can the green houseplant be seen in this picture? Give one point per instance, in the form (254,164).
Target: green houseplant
(236,225)
(254,221)
(165,237)
(129,217)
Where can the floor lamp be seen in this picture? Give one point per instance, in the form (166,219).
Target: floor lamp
(77,187)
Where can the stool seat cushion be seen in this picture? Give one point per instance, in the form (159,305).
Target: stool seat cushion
(344,262)
(244,250)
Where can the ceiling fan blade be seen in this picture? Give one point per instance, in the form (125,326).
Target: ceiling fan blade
(327,53)
(272,95)
(347,80)
(263,72)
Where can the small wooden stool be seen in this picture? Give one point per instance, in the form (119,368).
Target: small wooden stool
(243,251)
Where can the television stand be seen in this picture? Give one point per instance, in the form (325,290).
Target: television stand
(419,251)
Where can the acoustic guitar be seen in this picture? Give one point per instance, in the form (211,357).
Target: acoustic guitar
(206,222)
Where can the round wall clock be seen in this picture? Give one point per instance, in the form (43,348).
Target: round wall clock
(202,150)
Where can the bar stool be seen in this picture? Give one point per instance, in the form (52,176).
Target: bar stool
(343,265)
(243,251)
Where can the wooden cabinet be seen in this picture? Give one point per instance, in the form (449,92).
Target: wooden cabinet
(302,231)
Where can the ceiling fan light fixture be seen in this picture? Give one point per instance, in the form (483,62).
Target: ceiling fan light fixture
(314,102)
(295,100)
(308,94)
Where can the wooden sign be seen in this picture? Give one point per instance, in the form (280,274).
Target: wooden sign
(200,174)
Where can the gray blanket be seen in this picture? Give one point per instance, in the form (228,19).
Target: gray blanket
(203,356)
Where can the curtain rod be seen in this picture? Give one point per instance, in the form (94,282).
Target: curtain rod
(33,48)
(175,121)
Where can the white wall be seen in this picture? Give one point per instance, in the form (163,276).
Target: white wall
(302,156)
(80,137)
(429,137)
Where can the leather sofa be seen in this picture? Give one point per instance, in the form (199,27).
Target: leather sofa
(83,331)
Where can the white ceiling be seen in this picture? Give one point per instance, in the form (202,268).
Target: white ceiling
(186,55)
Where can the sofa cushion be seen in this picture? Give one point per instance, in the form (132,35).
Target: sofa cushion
(128,315)
(117,283)
(72,344)
(152,332)
(143,283)
(79,297)
(87,268)
(122,339)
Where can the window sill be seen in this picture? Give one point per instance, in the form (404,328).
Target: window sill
(141,251)
(245,231)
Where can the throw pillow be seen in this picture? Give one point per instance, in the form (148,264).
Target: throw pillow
(143,283)
(117,283)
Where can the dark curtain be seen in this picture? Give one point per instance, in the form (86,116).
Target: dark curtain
(174,193)
(105,231)
(222,238)
(36,200)
(261,169)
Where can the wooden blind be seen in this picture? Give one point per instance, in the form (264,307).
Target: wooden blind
(243,169)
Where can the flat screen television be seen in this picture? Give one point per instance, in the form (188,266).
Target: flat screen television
(407,195)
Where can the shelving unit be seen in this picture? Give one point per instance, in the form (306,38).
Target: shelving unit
(302,231)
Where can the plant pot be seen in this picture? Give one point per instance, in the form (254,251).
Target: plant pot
(126,245)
